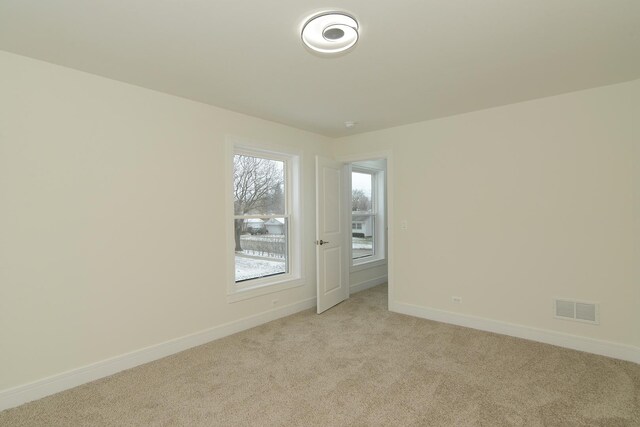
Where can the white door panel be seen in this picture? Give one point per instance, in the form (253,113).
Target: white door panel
(333,273)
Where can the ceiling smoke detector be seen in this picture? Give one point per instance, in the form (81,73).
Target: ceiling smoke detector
(330,32)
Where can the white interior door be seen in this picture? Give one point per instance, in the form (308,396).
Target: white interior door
(332,268)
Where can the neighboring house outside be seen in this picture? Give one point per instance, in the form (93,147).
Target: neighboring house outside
(275,226)
(361,225)
(254,224)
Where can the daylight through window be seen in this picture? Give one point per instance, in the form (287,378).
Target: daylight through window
(261,217)
(363,214)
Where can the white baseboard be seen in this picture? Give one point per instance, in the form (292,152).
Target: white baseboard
(367,284)
(15,396)
(575,342)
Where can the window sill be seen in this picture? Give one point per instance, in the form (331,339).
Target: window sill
(363,265)
(264,289)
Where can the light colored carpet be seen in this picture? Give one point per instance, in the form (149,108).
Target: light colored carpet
(357,364)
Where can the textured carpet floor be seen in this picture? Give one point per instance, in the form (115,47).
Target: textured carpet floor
(357,364)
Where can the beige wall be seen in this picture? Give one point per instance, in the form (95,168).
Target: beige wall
(366,276)
(112,217)
(513,206)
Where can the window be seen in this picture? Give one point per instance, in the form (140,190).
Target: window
(367,215)
(265,218)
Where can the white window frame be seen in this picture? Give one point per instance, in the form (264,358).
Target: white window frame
(237,291)
(378,194)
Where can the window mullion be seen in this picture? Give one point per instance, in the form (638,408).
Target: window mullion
(260,216)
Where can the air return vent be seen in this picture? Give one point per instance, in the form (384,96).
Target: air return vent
(577,310)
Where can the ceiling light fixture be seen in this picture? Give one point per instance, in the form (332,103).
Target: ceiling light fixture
(330,32)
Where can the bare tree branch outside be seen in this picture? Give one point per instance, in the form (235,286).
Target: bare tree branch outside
(360,202)
(258,186)
(261,219)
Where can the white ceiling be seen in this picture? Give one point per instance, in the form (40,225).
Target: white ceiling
(416,59)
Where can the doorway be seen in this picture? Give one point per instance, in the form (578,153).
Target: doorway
(368,217)
(355,207)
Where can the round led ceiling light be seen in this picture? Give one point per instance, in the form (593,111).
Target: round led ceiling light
(330,32)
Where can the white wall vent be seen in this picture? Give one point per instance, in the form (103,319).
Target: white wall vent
(580,311)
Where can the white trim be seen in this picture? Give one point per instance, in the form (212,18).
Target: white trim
(368,284)
(15,396)
(293,159)
(361,157)
(574,342)
(264,289)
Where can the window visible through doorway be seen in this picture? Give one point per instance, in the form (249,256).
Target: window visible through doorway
(367,215)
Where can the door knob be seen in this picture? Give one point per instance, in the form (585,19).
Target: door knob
(321,242)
